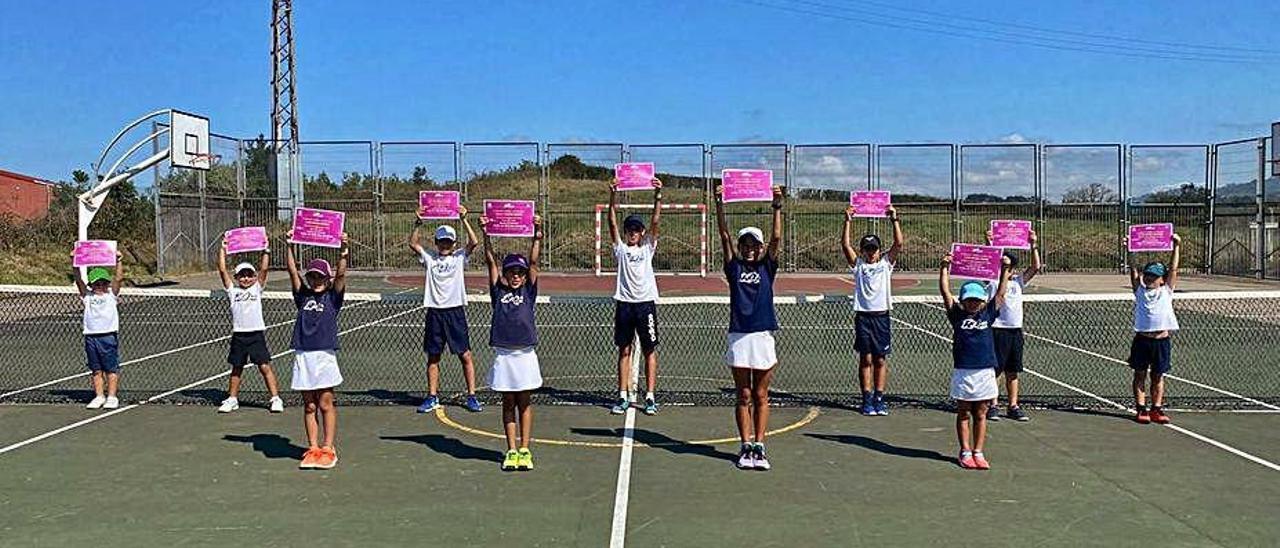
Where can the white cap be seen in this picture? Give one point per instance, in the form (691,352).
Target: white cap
(753,232)
(446,232)
(245,266)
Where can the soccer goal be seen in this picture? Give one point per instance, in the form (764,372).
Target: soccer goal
(682,242)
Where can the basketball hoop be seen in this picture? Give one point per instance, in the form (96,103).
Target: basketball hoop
(203,160)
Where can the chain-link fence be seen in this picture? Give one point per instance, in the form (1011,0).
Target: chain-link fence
(1081,197)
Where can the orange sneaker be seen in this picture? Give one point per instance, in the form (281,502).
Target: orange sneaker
(966,460)
(1158,416)
(309,459)
(980,461)
(1143,416)
(327,458)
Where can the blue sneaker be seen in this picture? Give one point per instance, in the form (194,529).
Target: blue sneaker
(473,405)
(868,408)
(430,404)
(650,407)
(882,408)
(620,407)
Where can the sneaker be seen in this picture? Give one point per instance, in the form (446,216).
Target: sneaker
(881,408)
(1143,416)
(327,458)
(993,413)
(747,457)
(524,459)
(620,407)
(1016,413)
(229,405)
(472,404)
(650,407)
(980,461)
(966,460)
(277,404)
(309,459)
(509,463)
(111,403)
(96,403)
(1158,416)
(762,462)
(430,404)
(868,408)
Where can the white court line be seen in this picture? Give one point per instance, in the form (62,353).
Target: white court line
(163,395)
(622,494)
(1175,428)
(154,356)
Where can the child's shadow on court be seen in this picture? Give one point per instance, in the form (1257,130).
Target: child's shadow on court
(450,446)
(272,446)
(882,447)
(659,441)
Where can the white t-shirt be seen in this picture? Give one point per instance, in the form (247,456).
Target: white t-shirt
(636,283)
(246,308)
(100,315)
(1011,313)
(871,285)
(1153,309)
(445,287)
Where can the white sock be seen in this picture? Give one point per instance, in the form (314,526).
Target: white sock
(648,396)
(622,394)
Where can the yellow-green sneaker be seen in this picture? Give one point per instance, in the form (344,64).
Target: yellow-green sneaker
(511,462)
(525,459)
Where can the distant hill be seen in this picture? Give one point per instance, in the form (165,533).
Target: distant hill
(1244,192)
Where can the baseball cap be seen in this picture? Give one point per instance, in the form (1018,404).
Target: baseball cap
(633,222)
(243,267)
(98,274)
(1154,268)
(319,266)
(515,260)
(870,241)
(973,290)
(446,232)
(753,232)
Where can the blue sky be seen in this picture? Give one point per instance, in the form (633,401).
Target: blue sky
(71,73)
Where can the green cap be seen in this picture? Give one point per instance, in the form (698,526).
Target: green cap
(98,274)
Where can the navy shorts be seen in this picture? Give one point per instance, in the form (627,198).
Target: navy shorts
(872,334)
(1008,349)
(102,352)
(631,320)
(248,347)
(446,326)
(1151,354)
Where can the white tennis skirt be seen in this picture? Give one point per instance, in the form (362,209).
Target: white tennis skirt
(515,370)
(315,370)
(973,384)
(752,350)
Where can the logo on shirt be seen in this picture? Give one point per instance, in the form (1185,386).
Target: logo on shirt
(444,268)
(514,299)
(313,306)
(751,278)
(635,257)
(971,323)
(244,297)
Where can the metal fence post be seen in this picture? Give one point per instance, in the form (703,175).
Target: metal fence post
(1125,215)
(957,191)
(379,222)
(1260,217)
(155,190)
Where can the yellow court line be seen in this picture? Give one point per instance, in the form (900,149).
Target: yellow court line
(804,421)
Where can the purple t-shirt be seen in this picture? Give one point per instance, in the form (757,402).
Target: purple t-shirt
(317,325)
(513,324)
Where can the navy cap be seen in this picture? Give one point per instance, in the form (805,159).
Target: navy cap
(870,241)
(515,260)
(633,222)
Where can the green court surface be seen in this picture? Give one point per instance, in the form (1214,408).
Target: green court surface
(165,474)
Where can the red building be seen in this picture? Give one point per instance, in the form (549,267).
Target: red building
(24,196)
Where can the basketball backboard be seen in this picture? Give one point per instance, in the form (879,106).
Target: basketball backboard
(189,140)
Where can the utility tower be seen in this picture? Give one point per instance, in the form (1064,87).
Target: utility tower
(284,110)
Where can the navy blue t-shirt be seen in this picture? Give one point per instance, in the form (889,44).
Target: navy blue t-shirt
(317,324)
(973,346)
(751,295)
(513,325)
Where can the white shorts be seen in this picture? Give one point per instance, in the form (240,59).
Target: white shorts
(515,370)
(752,350)
(973,384)
(315,370)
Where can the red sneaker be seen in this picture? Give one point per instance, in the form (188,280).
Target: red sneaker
(1158,416)
(1143,417)
(309,459)
(326,458)
(966,461)
(980,461)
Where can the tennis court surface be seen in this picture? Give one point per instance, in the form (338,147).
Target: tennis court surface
(165,468)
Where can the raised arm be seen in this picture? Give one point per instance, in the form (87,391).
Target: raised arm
(222,264)
(1171,277)
(944,282)
(291,264)
(340,277)
(775,239)
(845,244)
(117,281)
(264,267)
(1036,265)
(472,241)
(722,226)
(535,249)
(75,275)
(491,263)
(613,213)
(657,210)
(415,238)
(896,248)
(1006,272)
